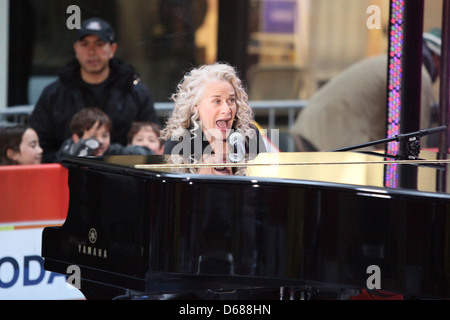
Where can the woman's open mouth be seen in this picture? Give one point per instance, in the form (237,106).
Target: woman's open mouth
(223,124)
(223,170)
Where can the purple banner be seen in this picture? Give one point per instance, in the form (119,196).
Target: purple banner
(279,16)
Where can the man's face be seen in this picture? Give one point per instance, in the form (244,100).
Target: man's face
(94,54)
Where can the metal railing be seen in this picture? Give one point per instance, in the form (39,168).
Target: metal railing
(268,108)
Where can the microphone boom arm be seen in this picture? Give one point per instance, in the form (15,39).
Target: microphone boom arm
(402,138)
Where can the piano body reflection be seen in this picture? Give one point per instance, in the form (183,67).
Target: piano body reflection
(315,224)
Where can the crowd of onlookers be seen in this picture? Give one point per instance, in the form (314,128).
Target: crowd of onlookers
(97,106)
(19,144)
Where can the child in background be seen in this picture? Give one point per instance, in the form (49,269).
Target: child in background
(91,129)
(19,145)
(146,134)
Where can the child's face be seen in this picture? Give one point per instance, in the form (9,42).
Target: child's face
(146,137)
(30,150)
(101,133)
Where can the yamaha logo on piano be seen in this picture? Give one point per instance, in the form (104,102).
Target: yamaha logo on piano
(91,250)
(92,235)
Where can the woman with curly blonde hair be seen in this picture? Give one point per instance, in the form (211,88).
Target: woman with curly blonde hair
(210,104)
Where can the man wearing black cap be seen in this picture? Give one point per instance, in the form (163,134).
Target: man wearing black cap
(94,78)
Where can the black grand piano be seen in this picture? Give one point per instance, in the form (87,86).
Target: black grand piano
(300,225)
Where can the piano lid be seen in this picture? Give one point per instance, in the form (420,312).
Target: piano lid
(429,174)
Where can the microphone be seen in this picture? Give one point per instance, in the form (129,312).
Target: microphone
(422,132)
(409,147)
(236,140)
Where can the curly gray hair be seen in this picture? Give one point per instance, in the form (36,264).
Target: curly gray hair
(191,90)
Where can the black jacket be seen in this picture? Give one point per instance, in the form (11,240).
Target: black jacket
(125,99)
(190,146)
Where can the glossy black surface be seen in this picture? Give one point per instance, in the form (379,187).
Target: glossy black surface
(166,230)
